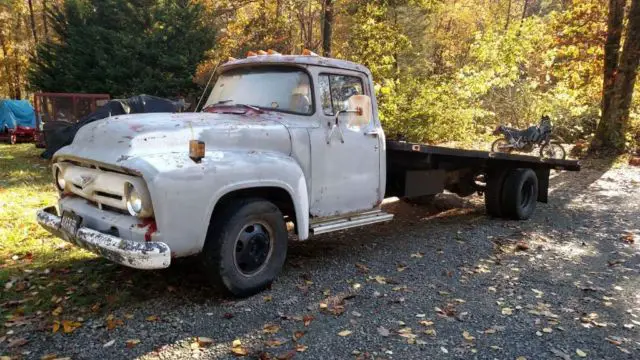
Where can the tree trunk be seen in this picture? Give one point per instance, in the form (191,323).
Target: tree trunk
(44,19)
(506,25)
(619,77)
(327,28)
(33,22)
(5,55)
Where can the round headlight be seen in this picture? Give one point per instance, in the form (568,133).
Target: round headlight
(60,183)
(134,200)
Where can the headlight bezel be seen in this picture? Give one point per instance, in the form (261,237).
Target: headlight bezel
(137,201)
(58,177)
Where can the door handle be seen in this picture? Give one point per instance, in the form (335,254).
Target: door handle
(373,133)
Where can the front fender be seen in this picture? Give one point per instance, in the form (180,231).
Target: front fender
(184,194)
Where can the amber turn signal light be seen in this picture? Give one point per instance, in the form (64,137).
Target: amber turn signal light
(196,150)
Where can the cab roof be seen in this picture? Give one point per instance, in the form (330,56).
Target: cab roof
(278,59)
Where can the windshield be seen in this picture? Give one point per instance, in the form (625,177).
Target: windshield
(280,89)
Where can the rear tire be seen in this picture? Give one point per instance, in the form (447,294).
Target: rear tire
(13,139)
(246,246)
(553,150)
(520,194)
(493,192)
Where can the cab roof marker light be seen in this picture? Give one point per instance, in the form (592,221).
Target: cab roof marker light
(308,52)
(231,58)
(251,53)
(262,52)
(273,52)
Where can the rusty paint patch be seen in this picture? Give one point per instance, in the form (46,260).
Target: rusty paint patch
(151,226)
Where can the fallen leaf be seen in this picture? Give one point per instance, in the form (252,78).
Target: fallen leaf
(490,331)
(507,311)
(204,341)
(267,298)
(344,333)
(49,357)
(239,351)
(383,331)
(581,353)
(70,326)
(521,358)
(274,342)
(522,245)
(547,330)
(236,343)
(380,279)
(430,332)
(401,267)
(444,349)
(297,335)
(417,255)
(362,267)
(286,356)
(467,336)
(425,322)
(56,326)
(270,328)
(301,348)
(307,319)
(17,342)
(128,316)
(152,318)
(131,343)
(57,311)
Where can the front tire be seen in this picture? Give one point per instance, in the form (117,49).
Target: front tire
(246,246)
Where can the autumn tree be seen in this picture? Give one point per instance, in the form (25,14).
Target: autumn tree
(620,70)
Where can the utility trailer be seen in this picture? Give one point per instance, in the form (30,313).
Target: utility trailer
(418,171)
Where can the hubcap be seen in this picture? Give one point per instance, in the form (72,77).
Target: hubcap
(253,248)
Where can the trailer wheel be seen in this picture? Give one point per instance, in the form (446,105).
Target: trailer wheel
(246,246)
(493,192)
(520,194)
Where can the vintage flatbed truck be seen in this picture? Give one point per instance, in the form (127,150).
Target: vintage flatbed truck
(282,140)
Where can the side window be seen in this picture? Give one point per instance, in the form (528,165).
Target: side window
(335,91)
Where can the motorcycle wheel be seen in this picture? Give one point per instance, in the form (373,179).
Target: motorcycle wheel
(501,145)
(553,150)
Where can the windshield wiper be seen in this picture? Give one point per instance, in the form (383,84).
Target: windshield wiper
(252,107)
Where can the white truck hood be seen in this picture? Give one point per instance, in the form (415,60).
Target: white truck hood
(116,139)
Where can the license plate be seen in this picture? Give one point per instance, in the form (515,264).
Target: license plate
(70,223)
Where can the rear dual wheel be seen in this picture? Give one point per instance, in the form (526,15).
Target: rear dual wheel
(511,193)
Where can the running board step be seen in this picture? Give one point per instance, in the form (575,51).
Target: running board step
(362,219)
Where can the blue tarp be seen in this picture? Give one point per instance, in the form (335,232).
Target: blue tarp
(16,113)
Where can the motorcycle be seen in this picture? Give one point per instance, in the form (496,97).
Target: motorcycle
(526,140)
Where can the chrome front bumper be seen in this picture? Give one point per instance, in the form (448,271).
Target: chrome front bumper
(140,255)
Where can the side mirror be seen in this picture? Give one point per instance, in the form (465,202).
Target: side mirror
(360,111)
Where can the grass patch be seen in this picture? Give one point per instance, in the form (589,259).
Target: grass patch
(41,274)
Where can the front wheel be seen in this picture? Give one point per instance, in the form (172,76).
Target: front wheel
(553,150)
(13,139)
(246,246)
(501,145)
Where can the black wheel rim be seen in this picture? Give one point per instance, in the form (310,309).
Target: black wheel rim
(253,248)
(526,194)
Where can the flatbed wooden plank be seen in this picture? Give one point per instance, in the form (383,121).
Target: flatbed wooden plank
(570,165)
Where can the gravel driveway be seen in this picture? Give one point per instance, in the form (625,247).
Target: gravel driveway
(446,284)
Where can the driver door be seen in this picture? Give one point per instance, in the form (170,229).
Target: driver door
(345,157)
